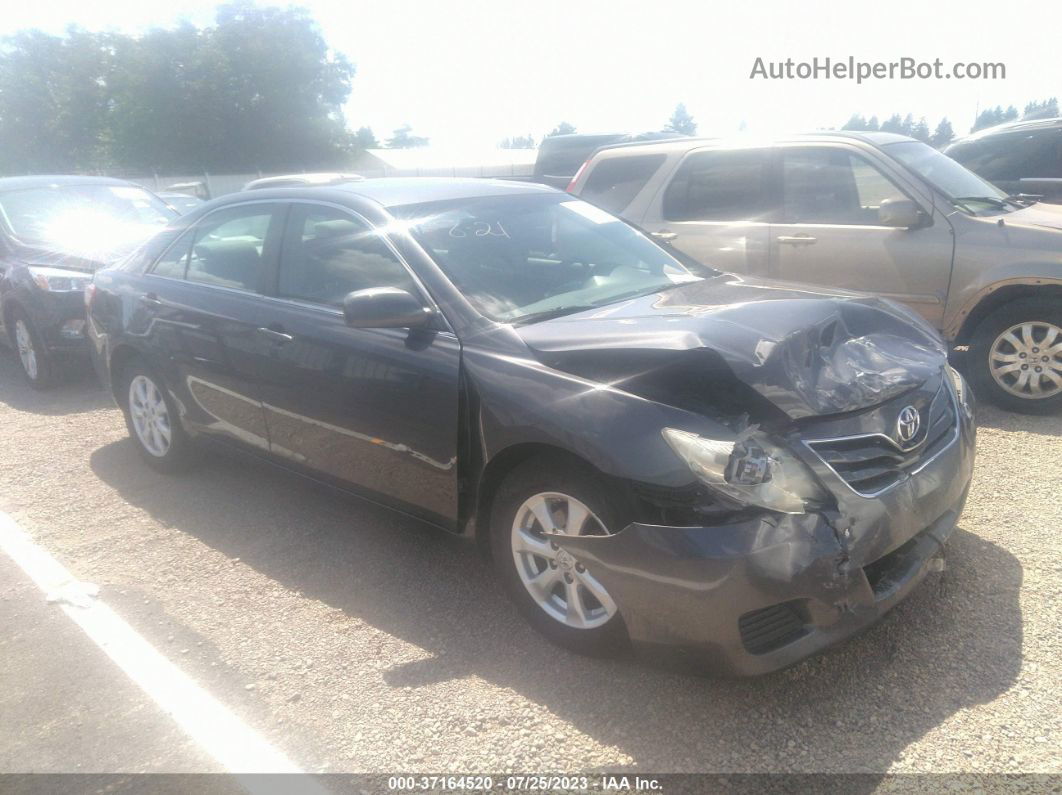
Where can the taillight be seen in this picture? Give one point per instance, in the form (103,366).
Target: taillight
(577,175)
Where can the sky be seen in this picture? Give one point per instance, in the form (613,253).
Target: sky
(468,73)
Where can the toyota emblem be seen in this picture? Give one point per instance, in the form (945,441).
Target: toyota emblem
(907,424)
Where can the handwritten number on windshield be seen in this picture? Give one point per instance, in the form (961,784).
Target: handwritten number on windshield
(478,229)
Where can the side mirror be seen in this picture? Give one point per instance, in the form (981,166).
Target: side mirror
(901,213)
(384,307)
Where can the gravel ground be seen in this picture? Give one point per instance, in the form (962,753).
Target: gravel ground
(357,641)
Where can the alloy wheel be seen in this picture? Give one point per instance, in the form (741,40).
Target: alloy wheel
(26,352)
(554,578)
(1026,360)
(151,418)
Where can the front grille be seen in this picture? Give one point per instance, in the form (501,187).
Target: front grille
(872,463)
(771,627)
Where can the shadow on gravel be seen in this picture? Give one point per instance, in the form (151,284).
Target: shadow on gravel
(954,644)
(989,416)
(78,391)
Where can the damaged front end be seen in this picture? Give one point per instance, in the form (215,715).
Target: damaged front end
(831,447)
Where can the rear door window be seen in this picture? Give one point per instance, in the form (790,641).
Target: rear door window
(615,181)
(720,185)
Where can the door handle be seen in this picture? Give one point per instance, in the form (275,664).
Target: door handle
(797,240)
(279,337)
(664,234)
(151,300)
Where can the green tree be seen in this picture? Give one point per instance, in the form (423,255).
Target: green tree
(365,139)
(518,142)
(561,129)
(258,89)
(943,135)
(855,122)
(53,101)
(404,139)
(872,124)
(893,124)
(681,121)
(1047,109)
(920,130)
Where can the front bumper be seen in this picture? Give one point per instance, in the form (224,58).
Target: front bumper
(53,314)
(762,593)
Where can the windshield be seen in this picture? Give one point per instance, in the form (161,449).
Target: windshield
(524,258)
(84,217)
(949,177)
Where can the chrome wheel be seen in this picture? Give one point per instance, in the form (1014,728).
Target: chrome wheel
(1026,360)
(556,580)
(26,351)
(151,418)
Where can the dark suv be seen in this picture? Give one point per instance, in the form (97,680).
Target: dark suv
(1020,158)
(54,232)
(652,450)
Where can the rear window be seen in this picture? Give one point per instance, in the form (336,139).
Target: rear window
(615,181)
(723,185)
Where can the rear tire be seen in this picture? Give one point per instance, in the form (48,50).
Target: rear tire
(38,366)
(1007,348)
(555,592)
(152,419)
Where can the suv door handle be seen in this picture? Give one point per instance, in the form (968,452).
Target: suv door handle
(797,240)
(151,300)
(279,337)
(664,234)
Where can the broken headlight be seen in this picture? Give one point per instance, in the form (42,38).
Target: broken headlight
(962,391)
(748,469)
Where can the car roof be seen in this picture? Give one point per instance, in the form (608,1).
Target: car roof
(1010,127)
(876,139)
(49,180)
(322,177)
(397,191)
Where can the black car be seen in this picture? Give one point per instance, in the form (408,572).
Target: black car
(652,451)
(1021,158)
(54,232)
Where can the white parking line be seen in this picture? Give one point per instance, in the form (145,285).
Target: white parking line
(206,720)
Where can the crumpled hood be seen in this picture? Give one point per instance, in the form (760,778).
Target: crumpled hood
(806,350)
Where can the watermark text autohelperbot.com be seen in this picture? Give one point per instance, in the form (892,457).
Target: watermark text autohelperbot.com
(849,68)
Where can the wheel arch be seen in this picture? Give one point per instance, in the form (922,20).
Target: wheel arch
(119,360)
(1000,294)
(498,468)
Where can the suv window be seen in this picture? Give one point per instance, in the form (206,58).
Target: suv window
(720,185)
(329,253)
(831,186)
(1012,156)
(227,251)
(615,181)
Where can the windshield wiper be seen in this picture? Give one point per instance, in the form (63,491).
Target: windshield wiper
(547,314)
(995,202)
(1025,199)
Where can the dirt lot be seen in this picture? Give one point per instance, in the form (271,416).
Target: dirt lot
(356,641)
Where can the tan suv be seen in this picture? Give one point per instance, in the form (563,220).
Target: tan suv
(872,212)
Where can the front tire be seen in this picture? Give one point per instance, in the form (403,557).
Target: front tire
(152,419)
(555,592)
(38,366)
(1016,356)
